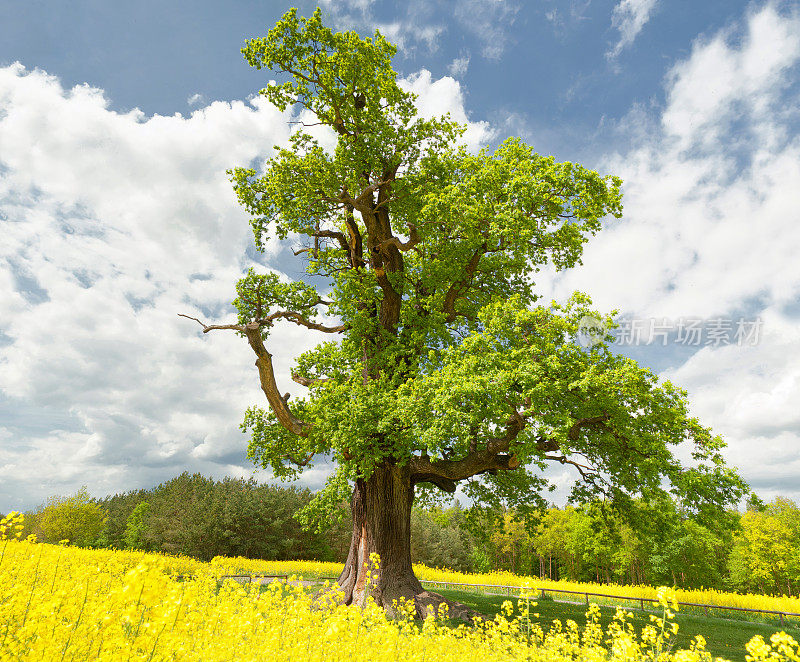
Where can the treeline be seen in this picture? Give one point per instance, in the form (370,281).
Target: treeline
(757,551)
(191,515)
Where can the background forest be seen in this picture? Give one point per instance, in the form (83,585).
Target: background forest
(758,550)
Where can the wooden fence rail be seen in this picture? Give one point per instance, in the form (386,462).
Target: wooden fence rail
(249,578)
(543,591)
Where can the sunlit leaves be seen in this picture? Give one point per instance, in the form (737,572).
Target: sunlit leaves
(260,294)
(427,254)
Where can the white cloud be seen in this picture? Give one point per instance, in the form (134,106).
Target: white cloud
(196,99)
(566,17)
(724,83)
(438,97)
(458,67)
(412,28)
(419,23)
(489,21)
(710,230)
(629,17)
(347,5)
(112,224)
(750,394)
(109,217)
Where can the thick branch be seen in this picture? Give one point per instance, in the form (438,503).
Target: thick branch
(462,284)
(403,246)
(355,241)
(331,234)
(545,444)
(490,458)
(446,473)
(265,373)
(575,429)
(494,456)
(267,378)
(445,484)
(298,319)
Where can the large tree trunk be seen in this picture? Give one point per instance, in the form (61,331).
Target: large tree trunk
(381,512)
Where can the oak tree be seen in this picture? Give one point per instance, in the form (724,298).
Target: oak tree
(443,369)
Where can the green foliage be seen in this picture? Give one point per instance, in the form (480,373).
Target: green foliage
(766,556)
(202,517)
(258,293)
(75,518)
(439,540)
(426,255)
(136,526)
(594,543)
(693,557)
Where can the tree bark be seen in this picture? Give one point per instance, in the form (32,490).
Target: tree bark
(381,514)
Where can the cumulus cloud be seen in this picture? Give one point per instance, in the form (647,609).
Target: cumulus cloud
(112,224)
(750,395)
(711,202)
(439,97)
(629,17)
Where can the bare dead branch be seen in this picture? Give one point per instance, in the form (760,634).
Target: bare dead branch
(307,381)
(266,374)
(214,327)
(587,472)
(192,318)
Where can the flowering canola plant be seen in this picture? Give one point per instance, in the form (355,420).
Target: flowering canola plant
(311,569)
(64,603)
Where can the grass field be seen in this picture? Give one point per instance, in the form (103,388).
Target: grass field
(311,569)
(724,638)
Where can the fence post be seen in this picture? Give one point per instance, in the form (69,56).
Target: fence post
(587,599)
(781,615)
(705,607)
(641,601)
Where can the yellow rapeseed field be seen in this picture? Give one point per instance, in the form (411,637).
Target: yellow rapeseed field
(65,603)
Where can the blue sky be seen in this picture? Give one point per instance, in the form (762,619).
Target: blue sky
(118,120)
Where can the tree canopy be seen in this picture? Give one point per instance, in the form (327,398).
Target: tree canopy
(445,368)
